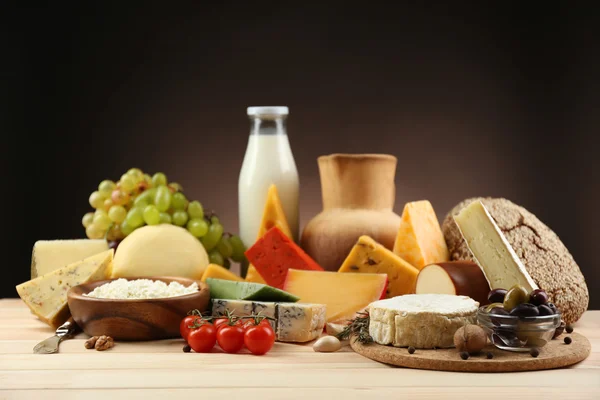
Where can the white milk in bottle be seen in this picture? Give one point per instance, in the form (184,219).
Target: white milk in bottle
(268,160)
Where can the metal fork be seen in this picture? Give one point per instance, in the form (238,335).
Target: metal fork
(50,345)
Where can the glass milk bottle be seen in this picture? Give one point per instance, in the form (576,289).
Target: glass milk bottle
(268,160)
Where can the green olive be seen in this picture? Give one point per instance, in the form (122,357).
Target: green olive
(492,306)
(516,295)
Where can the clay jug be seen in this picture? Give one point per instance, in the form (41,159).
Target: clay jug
(358,192)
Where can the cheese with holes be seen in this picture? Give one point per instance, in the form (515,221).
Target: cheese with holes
(368,256)
(343,294)
(292,322)
(498,260)
(420,240)
(46,295)
(50,255)
(423,321)
(252,275)
(219,272)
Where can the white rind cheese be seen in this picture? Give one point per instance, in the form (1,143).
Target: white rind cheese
(292,322)
(50,255)
(423,321)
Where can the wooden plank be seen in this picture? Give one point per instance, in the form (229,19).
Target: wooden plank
(314,378)
(267,393)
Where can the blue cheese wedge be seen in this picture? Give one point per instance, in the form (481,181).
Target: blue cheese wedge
(46,295)
(423,321)
(292,322)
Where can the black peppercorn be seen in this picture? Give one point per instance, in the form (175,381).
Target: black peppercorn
(187,348)
(534,352)
(568,340)
(464,355)
(569,329)
(489,355)
(411,350)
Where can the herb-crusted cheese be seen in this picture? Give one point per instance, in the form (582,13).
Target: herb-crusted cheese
(423,321)
(46,295)
(292,322)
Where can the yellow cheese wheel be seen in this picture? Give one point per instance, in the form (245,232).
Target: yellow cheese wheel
(160,250)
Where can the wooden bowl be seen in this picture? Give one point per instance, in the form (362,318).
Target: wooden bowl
(139,319)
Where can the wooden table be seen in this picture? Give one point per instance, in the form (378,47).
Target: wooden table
(161,370)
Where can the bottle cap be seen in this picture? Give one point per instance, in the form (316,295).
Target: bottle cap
(268,110)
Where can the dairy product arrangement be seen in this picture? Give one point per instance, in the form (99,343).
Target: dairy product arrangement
(358,270)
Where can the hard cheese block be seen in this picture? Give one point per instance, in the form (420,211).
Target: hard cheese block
(50,255)
(491,250)
(224,289)
(368,256)
(219,272)
(423,321)
(343,294)
(292,322)
(454,277)
(275,253)
(273,215)
(252,275)
(420,240)
(46,295)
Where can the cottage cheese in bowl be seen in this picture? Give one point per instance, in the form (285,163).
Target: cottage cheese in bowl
(137,289)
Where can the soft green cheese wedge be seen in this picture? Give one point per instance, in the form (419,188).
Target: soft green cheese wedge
(224,289)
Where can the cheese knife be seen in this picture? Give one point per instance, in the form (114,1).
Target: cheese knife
(50,345)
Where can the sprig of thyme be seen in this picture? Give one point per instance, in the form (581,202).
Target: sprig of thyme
(358,327)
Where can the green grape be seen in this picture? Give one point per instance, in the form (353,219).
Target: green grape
(136,174)
(226,263)
(100,212)
(94,232)
(148,179)
(127,183)
(117,214)
(176,187)
(135,217)
(197,227)
(180,217)
(114,233)
(141,204)
(238,247)
(215,257)
(159,179)
(215,220)
(165,218)
(162,199)
(195,209)
(87,219)
(178,201)
(102,221)
(225,247)
(107,204)
(212,237)
(151,215)
(126,229)
(119,197)
(146,197)
(106,187)
(96,199)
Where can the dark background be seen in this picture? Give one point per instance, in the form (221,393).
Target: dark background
(473,100)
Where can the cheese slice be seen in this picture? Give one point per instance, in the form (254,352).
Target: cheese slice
(46,295)
(292,322)
(49,255)
(368,256)
(420,240)
(343,294)
(498,260)
(423,321)
(219,272)
(252,275)
(273,215)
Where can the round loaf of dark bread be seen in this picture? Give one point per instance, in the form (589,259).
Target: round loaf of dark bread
(545,257)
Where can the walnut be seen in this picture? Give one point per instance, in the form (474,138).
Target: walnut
(104,343)
(91,342)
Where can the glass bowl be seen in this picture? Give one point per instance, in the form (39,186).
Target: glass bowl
(513,333)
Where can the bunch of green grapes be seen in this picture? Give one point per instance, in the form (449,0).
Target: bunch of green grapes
(139,199)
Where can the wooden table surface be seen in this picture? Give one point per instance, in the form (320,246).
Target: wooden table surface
(160,369)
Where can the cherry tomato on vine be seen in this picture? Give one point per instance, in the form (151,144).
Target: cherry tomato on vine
(259,339)
(220,322)
(251,322)
(203,339)
(230,338)
(184,325)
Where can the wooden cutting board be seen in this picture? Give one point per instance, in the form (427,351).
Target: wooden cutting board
(555,354)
